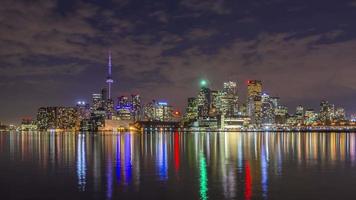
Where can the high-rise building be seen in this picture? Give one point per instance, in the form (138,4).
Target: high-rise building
(191,113)
(325,115)
(229,99)
(124,108)
(340,114)
(254,101)
(83,109)
(275,101)
(281,114)
(136,107)
(310,117)
(214,107)
(57,118)
(299,114)
(163,112)
(84,114)
(158,111)
(268,109)
(97,102)
(204,102)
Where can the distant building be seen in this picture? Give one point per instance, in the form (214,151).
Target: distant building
(340,114)
(325,115)
(97,102)
(63,118)
(158,111)
(136,107)
(299,114)
(27,124)
(268,108)
(281,114)
(124,108)
(191,113)
(229,99)
(204,101)
(254,101)
(310,117)
(84,114)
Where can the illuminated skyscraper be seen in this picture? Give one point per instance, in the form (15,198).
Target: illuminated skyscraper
(254,101)
(267,110)
(204,102)
(229,99)
(299,114)
(136,107)
(191,113)
(325,115)
(97,102)
(281,114)
(158,111)
(124,108)
(340,114)
(83,110)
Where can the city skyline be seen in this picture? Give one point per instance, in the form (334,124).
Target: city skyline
(55,53)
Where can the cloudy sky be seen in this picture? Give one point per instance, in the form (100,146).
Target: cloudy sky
(55,52)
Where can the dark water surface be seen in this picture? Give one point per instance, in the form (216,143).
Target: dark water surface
(178,166)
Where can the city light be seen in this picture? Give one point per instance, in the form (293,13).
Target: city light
(162,103)
(213,109)
(203,83)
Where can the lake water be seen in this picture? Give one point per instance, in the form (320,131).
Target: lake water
(178,166)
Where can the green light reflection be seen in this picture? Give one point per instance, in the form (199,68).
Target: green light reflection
(203,178)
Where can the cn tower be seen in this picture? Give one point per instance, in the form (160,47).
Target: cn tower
(109,79)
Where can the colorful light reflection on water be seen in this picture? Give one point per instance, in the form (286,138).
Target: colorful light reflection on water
(179,165)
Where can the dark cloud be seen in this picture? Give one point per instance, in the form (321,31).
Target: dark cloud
(54,52)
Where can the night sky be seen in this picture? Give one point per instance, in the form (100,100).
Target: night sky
(55,52)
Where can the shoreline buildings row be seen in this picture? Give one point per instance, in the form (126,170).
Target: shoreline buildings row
(220,110)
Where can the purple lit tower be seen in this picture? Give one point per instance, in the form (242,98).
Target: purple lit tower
(109,79)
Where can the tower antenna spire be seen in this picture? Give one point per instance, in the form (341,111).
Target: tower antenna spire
(109,79)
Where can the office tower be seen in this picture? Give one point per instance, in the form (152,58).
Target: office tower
(310,117)
(83,109)
(57,118)
(204,102)
(84,114)
(275,101)
(243,110)
(268,109)
(325,113)
(124,108)
(254,101)
(107,104)
(299,114)
(191,113)
(163,112)
(158,111)
(229,99)
(97,101)
(149,111)
(136,107)
(214,107)
(353,117)
(340,114)
(104,93)
(281,113)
